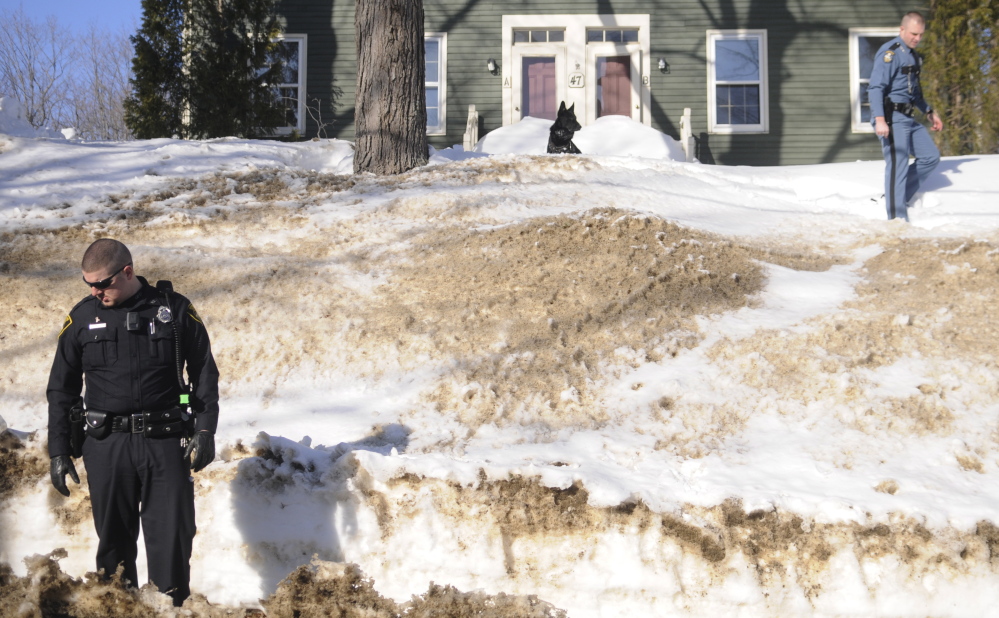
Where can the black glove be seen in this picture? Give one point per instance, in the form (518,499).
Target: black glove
(60,466)
(203,446)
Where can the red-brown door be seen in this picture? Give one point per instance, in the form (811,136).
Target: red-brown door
(539,88)
(613,86)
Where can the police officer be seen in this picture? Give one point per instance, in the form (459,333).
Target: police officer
(894,92)
(123,342)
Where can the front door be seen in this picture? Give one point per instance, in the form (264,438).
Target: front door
(538,98)
(613,86)
(615,71)
(538,80)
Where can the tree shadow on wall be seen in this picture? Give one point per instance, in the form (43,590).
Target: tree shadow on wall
(323,91)
(787,24)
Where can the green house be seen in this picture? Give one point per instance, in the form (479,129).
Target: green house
(766,82)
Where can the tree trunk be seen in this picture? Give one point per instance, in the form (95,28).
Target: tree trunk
(390,114)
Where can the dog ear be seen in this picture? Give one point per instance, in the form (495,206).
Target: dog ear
(561,107)
(571,109)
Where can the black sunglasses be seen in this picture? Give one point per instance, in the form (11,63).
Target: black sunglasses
(104,283)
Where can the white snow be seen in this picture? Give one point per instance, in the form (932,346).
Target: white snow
(610,135)
(14,122)
(799,457)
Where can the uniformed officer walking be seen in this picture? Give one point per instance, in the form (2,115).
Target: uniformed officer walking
(894,93)
(128,342)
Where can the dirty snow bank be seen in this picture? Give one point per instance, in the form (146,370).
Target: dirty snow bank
(623,385)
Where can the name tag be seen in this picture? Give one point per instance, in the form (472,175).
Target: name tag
(98,325)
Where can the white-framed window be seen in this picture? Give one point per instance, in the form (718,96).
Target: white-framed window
(864,44)
(538,35)
(737,81)
(435,46)
(612,35)
(289,85)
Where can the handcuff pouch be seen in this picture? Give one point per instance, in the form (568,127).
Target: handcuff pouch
(98,424)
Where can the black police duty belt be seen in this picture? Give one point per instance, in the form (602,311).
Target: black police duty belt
(905,109)
(141,421)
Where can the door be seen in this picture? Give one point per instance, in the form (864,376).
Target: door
(614,86)
(538,80)
(539,94)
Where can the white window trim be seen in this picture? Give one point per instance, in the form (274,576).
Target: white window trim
(303,50)
(858,125)
(576,59)
(440,129)
(764,125)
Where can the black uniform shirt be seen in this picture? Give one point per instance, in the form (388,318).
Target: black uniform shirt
(129,371)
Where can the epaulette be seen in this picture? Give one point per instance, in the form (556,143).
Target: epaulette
(83,300)
(167,293)
(890,52)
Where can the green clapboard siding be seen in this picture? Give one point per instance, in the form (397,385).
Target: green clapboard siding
(808,56)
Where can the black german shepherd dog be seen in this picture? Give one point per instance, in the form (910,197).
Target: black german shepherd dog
(560,138)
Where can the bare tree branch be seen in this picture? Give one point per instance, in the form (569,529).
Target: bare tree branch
(34,67)
(101,85)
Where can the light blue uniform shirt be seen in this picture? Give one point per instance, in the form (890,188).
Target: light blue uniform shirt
(890,78)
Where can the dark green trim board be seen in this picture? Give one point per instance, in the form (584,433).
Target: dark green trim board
(807,53)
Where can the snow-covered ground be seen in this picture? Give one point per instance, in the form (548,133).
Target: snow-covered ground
(622,383)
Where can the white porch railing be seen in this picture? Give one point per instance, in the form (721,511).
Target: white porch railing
(687,135)
(471,129)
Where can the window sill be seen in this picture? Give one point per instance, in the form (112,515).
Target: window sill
(734,131)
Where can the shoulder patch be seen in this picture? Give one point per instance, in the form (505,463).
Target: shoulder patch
(65,324)
(191,311)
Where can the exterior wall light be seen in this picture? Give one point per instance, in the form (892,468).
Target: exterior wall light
(663,66)
(491,65)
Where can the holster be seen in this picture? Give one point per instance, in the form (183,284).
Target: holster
(188,419)
(905,109)
(77,434)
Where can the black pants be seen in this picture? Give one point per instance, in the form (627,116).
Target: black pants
(135,479)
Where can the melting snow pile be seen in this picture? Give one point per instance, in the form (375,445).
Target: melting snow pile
(597,385)
(13,122)
(610,135)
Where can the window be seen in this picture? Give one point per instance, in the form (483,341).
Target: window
(864,44)
(435,46)
(737,81)
(289,84)
(612,35)
(538,36)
